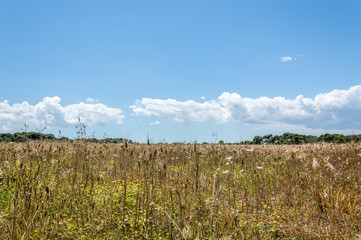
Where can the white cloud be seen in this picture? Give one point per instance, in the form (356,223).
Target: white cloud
(176,111)
(91,100)
(285,59)
(49,112)
(154,123)
(338,109)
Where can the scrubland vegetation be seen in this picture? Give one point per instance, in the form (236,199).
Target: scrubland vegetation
(82,190)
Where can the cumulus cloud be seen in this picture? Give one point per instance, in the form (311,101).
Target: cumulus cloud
(285,59)
(49,112)
(91,100)
(338,109)
(154,123)
(176,111)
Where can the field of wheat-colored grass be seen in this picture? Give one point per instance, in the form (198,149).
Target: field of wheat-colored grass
(79,190)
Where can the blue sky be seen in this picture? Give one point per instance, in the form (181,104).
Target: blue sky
(181,70)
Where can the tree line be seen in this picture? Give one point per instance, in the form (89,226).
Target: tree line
(36,136)
(286,138)
(293,138)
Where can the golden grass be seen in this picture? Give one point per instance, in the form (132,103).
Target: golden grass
(100,191)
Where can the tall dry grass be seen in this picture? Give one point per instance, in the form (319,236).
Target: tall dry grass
(92,191)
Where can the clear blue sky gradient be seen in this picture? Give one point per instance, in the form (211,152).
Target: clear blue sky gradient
(121,51)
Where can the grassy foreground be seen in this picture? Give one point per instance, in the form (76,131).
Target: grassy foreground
(100,191)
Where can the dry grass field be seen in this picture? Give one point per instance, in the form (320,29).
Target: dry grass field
(79,190)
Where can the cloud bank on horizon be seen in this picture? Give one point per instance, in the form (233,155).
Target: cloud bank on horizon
(49,112)
(338,109)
